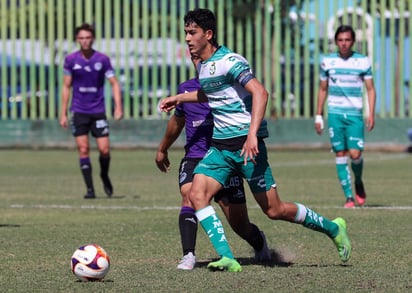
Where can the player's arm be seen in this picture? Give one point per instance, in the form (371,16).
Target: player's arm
(117,97)
(169,103)
(173,130)
(370,89)
(322,95)
(259,101)
(67,83)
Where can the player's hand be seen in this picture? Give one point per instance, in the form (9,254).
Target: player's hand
(118,114)
(162,161)
(250,149)
(168,104)
(319,124)
(370,123)
(63,121)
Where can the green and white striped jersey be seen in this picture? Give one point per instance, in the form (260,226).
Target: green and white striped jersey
(345,82)
(220,78)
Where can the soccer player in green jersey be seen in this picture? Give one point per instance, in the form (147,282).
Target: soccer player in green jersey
(343,75)
(238,102)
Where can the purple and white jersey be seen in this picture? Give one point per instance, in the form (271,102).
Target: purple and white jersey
(88,78)
(198,122)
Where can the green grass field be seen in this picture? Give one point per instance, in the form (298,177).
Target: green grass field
(43,219)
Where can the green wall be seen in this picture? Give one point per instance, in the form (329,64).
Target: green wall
(147,134)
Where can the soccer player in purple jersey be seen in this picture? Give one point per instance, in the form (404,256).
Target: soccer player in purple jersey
(85,72)
(197,120)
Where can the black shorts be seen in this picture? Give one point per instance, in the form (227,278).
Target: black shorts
(96,124)
(234,192)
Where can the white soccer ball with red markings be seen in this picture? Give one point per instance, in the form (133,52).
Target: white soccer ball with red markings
(90,263)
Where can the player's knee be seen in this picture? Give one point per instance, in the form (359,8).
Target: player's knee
(356,156)
(83,150)
(186,201)
(104,152)
(276,213)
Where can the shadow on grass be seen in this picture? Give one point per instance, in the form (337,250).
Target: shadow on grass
(9,225)
(95,281)
(106,197)
(277,260)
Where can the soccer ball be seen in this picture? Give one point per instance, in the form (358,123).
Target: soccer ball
(90,263)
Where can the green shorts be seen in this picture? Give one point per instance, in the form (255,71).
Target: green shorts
(346,132)
(222,164)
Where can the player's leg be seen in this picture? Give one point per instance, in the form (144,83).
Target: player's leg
(275,209)
(338,140)
(232,201)
(345,180)
(100,130)
(103,144)
(263,187)
(210,175)
(356,145)
(83,148)
(80,125)
(187,219)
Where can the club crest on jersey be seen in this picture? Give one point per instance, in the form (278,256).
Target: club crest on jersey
(212,69)
(98,66)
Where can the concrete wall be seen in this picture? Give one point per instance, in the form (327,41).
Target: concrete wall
(388,134)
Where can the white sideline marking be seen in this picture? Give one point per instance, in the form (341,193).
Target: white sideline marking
(369,159)
(167,208)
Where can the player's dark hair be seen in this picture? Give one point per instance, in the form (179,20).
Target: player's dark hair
(85,27)
(205,19)
(344,29)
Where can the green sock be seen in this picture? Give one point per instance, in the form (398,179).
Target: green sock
(210,222)
(315,221)
(357,168)
(342,169)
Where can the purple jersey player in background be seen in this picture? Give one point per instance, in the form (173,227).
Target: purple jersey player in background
(197,120)
(85,72)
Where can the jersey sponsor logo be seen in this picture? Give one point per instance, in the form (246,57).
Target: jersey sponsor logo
(217,99)
(87,68)
(90,89)
(98,66)
(260,181)
(359,141)
(348,80)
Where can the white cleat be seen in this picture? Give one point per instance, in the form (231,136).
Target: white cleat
(187,262)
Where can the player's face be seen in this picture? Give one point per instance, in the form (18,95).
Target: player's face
(344,41)
(85,39)
(197,39)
